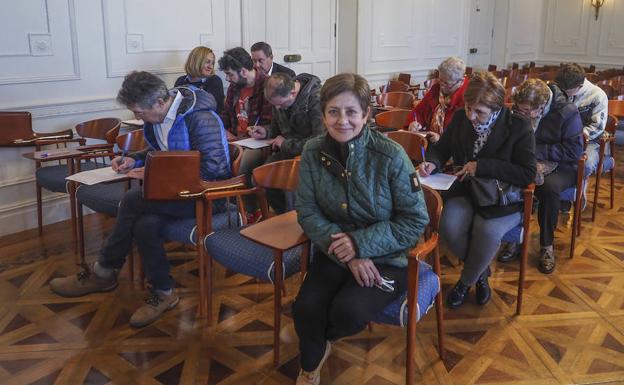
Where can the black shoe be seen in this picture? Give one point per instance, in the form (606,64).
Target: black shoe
(455,298)
(508,252)
(483,293)
(565,207)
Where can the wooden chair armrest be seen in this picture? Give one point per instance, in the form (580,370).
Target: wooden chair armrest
(44,142)
(94,155)
(237,182)
(96,147)
(229,193)
(424,248)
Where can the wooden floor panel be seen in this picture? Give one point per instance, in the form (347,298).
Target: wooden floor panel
(571,330)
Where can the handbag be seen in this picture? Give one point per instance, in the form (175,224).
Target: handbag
(492,192)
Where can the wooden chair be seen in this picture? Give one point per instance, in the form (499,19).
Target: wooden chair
(394,119)
(403,100)
(270,250)
(423,287)
(616,108)
(606,163)
(608,89)
(52,178)
(575,194)
(16,130)
(405,78)
(414,144)
(592,77)
(394,86)
(491,68)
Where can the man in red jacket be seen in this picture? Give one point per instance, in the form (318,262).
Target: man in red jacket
(435,111)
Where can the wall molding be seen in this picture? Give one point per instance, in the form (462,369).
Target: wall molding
(51,110)
(24,179)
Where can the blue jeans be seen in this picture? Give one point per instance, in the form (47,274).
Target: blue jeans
(142,221)
(472,238)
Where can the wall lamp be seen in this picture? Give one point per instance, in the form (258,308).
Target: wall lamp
(597,4)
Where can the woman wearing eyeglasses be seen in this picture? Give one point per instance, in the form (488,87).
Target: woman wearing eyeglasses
(359,202)
(436,109)
(485,140)
(558,145)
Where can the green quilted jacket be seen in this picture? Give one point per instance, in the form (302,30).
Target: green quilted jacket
(375,198)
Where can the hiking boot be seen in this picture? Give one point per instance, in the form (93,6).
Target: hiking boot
(482,288)
(83,283)
(155,304)
(313,377)
(457,295)
(547,261)
(288,334)
(509,251)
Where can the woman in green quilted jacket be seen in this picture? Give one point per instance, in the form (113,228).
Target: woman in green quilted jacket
(360,203)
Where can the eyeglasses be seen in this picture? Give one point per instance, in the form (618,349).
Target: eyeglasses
(386,285)
(449,83)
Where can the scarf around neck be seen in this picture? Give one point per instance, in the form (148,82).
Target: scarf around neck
(483,132)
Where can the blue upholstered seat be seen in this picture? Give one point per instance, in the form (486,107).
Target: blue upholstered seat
(185,230)
(52,178)
(244,256)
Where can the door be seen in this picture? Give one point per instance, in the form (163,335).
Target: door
(481,33)
(294,27)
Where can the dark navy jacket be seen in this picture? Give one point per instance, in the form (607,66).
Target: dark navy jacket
(197,127)
(559,135)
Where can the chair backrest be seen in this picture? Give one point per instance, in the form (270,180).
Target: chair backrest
(283,175)
(396,118)
(236,154)
(131,141)
(104,129)
(15,125)
(405,78)
(396,85)
(396,99)
(413,144)
(167,173)
(491,68)
(616,108)
(608,89)
(612,122)
(592,77)
(433,200)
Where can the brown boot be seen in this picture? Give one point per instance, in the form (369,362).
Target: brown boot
(288,334)
(314,377)
(83,283)
(156,304)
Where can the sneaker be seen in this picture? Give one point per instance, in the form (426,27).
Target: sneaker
(547,261)
(288,334)
(254,217)
(83,283)
(313,377)
(155,304)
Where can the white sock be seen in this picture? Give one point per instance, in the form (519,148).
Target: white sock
(103,272)
(166,292)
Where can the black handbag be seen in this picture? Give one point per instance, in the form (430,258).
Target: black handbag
(492,192)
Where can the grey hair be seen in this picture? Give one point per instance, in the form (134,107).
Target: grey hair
(453,67)
(143,89)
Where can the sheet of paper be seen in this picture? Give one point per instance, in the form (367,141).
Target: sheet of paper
(98,175)
(253,143)
(133,122)
(438,181)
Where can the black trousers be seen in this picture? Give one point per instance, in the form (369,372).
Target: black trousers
(549,203)
(331,305)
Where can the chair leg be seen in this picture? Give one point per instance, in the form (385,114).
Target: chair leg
(412,296)
(575,225)
(612,172)
(39,210)
(523,262)
(596,192)
(438,304)
(277,302)
(79,226)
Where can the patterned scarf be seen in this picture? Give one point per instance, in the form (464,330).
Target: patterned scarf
(437,120)
(483,132)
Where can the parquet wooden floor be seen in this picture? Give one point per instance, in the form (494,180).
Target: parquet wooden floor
(571,330)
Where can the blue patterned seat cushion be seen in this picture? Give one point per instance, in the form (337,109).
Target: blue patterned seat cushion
(185,230)
(52,178)
(514,235)
(244,256)
(608,164)
(428,288)
(102,197)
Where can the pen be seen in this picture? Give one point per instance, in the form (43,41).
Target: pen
(422,151)
(45,154)
(123,157)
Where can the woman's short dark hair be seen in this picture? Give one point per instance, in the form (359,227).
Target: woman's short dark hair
(347,82)
(484,88)
(143,89)
(235,59)
(570,75)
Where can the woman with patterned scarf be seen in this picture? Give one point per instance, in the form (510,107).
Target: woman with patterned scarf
(436,110)
(485,140)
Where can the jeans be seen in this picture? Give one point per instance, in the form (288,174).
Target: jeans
(548,196)
(331,305)
(143,221)
(472,238)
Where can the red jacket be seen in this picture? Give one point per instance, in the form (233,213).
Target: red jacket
(423,112)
